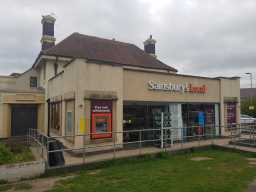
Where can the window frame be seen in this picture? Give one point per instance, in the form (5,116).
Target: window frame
(33,84)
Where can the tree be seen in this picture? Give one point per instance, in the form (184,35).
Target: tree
(246,103)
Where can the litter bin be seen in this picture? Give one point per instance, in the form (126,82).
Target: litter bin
(55,158)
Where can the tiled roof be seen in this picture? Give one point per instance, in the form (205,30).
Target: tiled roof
(103,50)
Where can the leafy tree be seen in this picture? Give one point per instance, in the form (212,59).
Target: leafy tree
(246,103)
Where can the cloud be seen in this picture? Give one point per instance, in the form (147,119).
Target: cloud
(199,37)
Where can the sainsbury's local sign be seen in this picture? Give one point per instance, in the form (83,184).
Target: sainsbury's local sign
(179,87)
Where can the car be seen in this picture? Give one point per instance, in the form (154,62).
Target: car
(246,119)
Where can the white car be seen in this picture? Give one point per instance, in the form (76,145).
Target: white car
(245,119)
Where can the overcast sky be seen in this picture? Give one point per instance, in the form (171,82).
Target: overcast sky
(198,37)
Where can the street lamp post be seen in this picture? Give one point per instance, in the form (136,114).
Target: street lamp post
(250,77)
(250,107)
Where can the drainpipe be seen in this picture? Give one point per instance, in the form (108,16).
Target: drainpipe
(48,116)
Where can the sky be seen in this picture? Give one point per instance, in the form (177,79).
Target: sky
(197,37)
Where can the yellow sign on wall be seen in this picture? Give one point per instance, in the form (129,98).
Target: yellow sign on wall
(82,125)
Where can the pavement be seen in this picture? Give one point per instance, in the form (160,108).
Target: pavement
(71,159)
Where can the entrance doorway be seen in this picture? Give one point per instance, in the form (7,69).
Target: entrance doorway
(23,117)
(199,120)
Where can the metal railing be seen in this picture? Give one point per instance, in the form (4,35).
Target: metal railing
(38,140)
(133,142)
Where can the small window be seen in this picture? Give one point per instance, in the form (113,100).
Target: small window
(33,81)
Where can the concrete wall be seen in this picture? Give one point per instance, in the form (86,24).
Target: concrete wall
(45,71)
(5,120)
(136,87)
(6,82)
(100,80)
(80,80)
(17,90)
(20,83)
(230,91)
(8,99)
(62,88)
(14,172)
(219,90)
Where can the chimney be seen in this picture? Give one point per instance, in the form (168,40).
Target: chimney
(149,46)
(47,39)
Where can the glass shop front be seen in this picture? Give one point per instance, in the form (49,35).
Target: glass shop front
(188,120)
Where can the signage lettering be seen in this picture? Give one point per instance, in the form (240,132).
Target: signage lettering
(171,87)
(101,106)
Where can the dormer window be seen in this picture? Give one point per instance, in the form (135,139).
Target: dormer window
(33,82)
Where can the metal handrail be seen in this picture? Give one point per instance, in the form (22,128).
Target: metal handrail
(168,139)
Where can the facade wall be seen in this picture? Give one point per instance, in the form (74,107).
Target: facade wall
(219,90)
(230,92)
(62,89)
(4,120)
(23,81)
(6,82)
(9,99)
(136,87)
(20,83)
(17,90)
(45,71)
(101,81)
(82,81)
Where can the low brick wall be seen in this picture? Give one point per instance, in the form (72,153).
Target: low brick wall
(14,172)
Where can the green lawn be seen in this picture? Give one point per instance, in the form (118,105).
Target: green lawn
(14,154)
(226,172)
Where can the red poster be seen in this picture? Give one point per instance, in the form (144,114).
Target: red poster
(101,124)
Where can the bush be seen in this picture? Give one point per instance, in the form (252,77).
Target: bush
(6,156)
(245,106)
(14,154)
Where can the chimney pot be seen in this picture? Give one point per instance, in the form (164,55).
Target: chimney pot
(149,46)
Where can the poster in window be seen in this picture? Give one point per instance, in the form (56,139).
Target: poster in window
(101,119)
(231,113)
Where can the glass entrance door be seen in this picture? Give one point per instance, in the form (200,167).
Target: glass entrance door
(198,119)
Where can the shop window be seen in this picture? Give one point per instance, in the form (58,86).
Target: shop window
(101,125)
(70,120)
(33,82)
(101,119)
(55,117)
(198,119)
(230,113)
(141,117)
(69,127)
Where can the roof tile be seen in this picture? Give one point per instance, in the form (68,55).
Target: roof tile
(93,48)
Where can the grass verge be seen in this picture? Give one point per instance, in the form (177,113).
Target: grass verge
(225,171)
